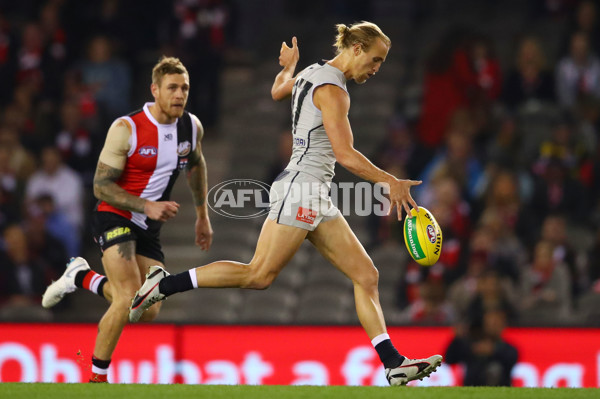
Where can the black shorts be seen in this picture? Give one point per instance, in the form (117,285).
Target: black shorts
(109,229)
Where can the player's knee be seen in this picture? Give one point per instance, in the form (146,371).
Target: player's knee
(369,277)
(121,305)
(260,282)
(123,296)
(258,279)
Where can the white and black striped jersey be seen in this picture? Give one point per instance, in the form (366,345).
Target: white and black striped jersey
(158,152)
(312,152)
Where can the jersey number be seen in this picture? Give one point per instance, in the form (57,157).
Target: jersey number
(301,89)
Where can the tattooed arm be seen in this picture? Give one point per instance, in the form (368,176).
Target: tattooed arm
(196,172)
(107,190)
(110,167)
(196,177)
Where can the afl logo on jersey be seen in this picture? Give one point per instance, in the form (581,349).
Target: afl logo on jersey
(148,151)
(184,148)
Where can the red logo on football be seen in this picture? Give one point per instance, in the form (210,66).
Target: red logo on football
(431,233)
(306,215)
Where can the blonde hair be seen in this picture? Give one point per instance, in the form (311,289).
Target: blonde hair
(167,66)
(363,33)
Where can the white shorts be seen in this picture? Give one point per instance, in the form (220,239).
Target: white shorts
(300,200)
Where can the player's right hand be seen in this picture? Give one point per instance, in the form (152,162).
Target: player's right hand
(289,57)
(400,196)
(161,210)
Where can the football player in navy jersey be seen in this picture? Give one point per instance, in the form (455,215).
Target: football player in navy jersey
(300,204)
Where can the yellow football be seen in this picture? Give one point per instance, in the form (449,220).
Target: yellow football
(423,237)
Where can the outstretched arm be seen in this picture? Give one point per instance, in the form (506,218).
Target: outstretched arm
(284,81)
(110,168)
(197,181)
(334,104)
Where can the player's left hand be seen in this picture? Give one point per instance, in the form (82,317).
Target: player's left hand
(204,233)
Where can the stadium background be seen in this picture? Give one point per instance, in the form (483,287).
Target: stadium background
(511,174)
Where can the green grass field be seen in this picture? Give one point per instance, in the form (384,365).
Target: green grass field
(114,391)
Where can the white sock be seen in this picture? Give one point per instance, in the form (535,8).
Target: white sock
(193,277)
(379,339)
(98,370)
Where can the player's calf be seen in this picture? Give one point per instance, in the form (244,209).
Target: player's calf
(151,313)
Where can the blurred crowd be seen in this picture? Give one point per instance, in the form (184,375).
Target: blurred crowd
(507,150)
(510,169)
(69,68)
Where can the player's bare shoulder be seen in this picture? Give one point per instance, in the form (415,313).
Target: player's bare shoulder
(199,127)
(117,144)
(119,133)
(122,125)
(332,97)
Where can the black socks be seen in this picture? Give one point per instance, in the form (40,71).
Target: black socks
(388,354)
(175,283)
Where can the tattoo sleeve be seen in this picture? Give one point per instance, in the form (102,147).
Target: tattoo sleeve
(196,177)
(107,190)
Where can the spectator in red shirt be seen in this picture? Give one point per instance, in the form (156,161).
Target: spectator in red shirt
(450,83)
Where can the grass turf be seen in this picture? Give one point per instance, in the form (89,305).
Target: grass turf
(114,391)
